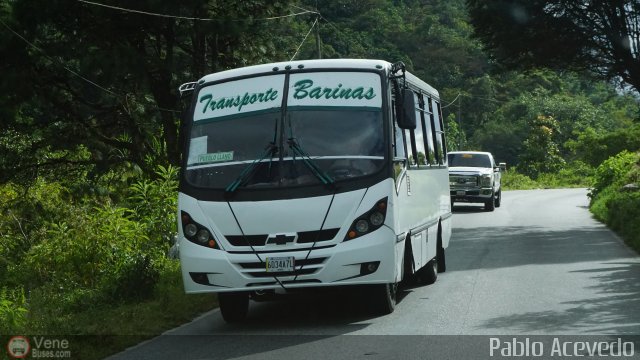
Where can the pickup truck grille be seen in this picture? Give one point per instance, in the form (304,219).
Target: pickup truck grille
(463,181)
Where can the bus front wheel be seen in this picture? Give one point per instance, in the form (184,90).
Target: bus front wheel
(233,306)
(384,298)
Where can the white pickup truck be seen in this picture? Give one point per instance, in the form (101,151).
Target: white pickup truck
(474,177)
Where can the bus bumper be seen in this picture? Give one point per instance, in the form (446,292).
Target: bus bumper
(370,259)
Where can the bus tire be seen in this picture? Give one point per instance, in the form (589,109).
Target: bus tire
(233,306)
(384,298)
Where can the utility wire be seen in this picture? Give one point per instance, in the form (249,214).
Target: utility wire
(93,83)
(319,14)
(472,96)
(451,103)
(305,10)
(186,17)
(303,40)
(330,23)
(59,62)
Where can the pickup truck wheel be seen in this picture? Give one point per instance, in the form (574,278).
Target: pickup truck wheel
(498,198)
(490,204)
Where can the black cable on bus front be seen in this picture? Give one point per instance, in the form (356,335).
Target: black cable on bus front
(326,214)
(251,246)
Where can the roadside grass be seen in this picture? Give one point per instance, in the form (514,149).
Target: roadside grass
(105,329)
(565,178)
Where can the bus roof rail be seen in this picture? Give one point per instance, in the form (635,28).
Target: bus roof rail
(186,89)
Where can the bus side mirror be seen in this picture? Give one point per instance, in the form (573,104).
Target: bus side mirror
(407,115)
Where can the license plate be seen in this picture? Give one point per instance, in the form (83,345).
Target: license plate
(279,264)
(460,192)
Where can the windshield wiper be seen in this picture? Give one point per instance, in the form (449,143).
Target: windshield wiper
(306,159)
(248,171)
(294,145)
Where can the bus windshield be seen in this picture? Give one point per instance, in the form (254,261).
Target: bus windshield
(343,138)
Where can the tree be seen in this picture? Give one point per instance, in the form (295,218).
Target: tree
(600,36)
(97,83)
(540,151)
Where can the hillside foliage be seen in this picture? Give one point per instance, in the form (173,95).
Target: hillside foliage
(91,137)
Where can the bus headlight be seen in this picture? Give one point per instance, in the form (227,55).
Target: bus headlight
(190,230)
(197,233)
(376,218)
(368,222)
(362,226)
(203,236)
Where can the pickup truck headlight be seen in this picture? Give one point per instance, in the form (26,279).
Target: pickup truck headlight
(485,180)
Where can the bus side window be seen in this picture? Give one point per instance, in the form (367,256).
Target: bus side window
(434,132)
(399,146)
(428,131)
(419,132)
(410,142)
(413,138)
(439,132)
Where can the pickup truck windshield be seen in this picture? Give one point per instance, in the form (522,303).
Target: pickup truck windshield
(469,160)
(344,138)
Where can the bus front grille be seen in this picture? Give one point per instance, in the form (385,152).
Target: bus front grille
(303,237)
(302,267)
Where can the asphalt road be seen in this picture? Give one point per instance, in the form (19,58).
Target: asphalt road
(538,265)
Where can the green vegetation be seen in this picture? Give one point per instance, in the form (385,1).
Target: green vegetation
(615,197)
(90,137)
(576,174)
(80,265)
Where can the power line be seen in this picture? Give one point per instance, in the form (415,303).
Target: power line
(186,17)
(303,40)
(301,8)
(93,83)
(330,23)
(451,103)
(59,62)
(473,96)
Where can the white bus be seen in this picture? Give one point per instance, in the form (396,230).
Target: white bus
(310,174)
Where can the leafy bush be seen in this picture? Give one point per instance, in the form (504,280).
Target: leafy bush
(594,147)
(77,254)
(513,180)
(613,171)
(618,208)
(154,204)
(575,174)
(134,278)
(24,213)
(13,310)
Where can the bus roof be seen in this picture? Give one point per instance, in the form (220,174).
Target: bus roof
(315,64)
